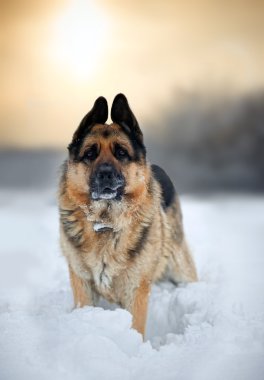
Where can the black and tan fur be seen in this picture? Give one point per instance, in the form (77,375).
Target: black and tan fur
(142,239)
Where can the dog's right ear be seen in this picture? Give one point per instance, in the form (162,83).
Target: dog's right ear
(121,114)
(97,115)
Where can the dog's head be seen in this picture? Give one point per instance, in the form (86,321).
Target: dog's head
(107,162)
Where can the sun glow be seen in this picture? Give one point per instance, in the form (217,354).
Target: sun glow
(79,40)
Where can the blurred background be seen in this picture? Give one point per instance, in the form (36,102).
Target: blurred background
(192,72)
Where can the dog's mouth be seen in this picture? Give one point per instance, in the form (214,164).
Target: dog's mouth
(108,194)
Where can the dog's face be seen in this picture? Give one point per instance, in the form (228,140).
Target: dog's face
(107,162)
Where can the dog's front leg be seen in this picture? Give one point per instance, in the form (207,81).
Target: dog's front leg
(82,292)
(139,306)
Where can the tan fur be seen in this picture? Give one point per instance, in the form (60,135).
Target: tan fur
(104,263)
(80,294)
(140,306)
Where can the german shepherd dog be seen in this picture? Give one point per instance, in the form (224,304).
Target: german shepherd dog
(120,218)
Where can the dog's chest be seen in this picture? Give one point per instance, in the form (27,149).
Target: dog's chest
(102,258)
(102,276)
(104,267)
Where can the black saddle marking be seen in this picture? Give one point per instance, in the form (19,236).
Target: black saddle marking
(167,187)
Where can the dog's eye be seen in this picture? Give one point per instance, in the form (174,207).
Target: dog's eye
(91,153)
(120,153)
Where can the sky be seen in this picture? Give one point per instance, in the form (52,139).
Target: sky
(58,56)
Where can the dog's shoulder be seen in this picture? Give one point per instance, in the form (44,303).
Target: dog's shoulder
(167,187)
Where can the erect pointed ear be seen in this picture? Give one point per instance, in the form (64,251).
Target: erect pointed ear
(122,115)
(97,115)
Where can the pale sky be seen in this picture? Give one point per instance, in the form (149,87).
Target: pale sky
(57,56)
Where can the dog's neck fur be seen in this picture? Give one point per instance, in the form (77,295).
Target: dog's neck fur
(104,214)
(111,215)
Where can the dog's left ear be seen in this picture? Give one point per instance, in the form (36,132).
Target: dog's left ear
(97,115)
(122,115)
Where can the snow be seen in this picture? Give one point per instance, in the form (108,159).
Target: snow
(100,226)
(213,329)
(96,195)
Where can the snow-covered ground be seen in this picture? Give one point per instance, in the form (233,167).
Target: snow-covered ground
(213,329)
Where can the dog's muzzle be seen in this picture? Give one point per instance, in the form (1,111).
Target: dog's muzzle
(107,183)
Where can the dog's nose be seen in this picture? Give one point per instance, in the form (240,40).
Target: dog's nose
(107,177)
(105,173)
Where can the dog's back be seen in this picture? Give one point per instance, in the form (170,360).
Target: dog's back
(180,266)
